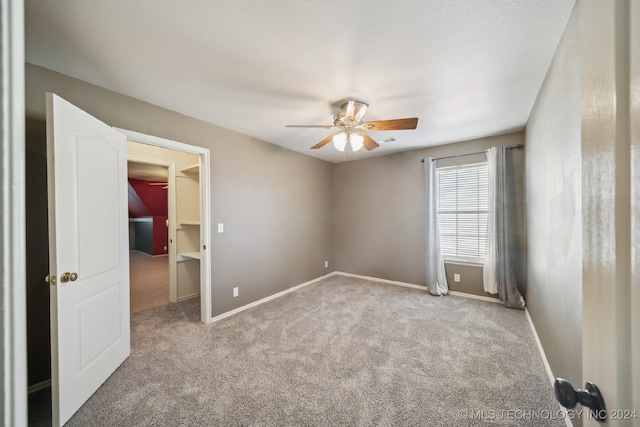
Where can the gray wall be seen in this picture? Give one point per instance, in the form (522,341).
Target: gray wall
(379,213)
(276,204)
(554,210)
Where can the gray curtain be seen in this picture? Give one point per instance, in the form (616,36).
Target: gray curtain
(436,277)
(498,274)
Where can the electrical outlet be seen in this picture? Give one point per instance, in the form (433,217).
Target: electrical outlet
(326,264)
(165,248)
(235,292)
(220,227)
(456,277)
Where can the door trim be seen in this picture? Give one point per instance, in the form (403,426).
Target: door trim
(205,208)
(13,294)
(171,200)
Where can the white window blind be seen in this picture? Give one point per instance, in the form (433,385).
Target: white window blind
(463,194)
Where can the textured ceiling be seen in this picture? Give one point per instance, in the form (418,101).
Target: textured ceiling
(465,68)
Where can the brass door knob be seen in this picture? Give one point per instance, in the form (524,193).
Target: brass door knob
(65,277)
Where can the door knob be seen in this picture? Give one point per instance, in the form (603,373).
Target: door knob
(589,397)
(65,277)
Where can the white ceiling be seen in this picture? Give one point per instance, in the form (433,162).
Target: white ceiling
(465,68)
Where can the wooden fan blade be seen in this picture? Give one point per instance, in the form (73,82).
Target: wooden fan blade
(368,142)
(311,126)
(322,143)
(397,124)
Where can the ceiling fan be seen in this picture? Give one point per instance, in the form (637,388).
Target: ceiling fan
(350,122)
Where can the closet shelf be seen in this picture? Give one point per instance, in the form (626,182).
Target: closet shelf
(188,256)
(191,169)
(189,222)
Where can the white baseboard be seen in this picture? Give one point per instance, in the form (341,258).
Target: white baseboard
(269,298)
(375,279)
(39,386)
(547,367)
(186,297)
(422,288)
(340,273)
(472,296)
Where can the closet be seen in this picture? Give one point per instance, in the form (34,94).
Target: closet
(184,214)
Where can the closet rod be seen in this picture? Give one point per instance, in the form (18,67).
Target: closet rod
(515,147)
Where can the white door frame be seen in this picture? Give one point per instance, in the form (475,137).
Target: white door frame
(205,209)
(171,214)
(610,289)
(13,294)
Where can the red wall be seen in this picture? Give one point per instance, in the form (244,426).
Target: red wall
(160,235)
(155,198)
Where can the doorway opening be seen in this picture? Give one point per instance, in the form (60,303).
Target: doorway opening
(88,241)
(150,272)
(39,400)
(188,212)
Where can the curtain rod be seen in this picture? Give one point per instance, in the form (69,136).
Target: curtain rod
(516,147)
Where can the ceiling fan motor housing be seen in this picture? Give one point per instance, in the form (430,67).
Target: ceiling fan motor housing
(350,117)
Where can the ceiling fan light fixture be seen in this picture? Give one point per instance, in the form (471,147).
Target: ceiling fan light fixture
(357,141)
(340,141)
(353,128)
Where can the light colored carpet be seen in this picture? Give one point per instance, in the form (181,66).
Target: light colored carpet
(149,280)
(342,351)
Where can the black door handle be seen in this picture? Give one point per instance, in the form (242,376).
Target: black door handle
(588,396)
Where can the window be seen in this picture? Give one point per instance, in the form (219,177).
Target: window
(463,193)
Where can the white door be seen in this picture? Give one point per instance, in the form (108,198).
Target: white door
(610,53)
(88,246)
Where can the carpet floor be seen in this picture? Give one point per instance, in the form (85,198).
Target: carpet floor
(341,351)
(149,281)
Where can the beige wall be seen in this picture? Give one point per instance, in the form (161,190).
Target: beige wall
(379,213)
(554,210)
(181,159)
(276,204)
